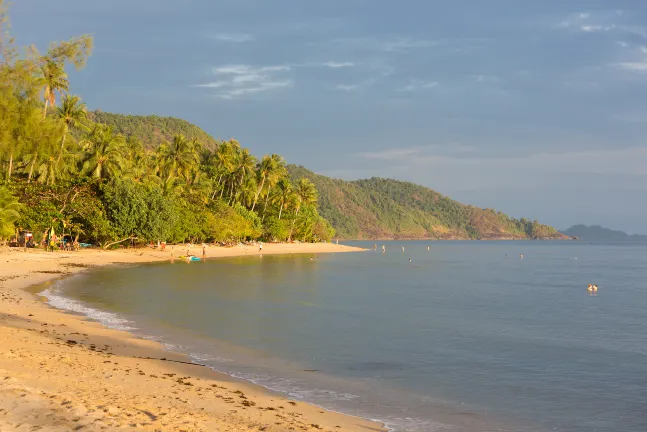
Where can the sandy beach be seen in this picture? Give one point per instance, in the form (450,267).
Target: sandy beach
(61,372)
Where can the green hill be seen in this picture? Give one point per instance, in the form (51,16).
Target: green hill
(385,208)
(362,209)
(152,130)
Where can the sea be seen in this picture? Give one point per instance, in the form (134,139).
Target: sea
(439,336)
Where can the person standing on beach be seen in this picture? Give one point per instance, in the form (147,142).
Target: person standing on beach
(204,252)
(260,246)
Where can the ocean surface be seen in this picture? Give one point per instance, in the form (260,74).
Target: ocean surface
(464,337)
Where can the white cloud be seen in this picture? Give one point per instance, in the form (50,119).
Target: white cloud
(355,87)
(234,37)
(638,64)
(419,85)
(241,80)
(337,65)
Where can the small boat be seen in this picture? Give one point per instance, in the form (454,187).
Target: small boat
(189,258)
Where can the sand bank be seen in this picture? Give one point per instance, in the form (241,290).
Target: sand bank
(61,372)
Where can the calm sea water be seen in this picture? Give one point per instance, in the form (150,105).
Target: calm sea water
(461,338)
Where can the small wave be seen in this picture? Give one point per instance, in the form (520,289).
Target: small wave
(108,319)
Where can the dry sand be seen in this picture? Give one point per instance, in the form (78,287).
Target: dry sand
(61,372)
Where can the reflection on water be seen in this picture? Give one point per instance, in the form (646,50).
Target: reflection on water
(457,336)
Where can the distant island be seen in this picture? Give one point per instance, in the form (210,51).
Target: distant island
(596,232)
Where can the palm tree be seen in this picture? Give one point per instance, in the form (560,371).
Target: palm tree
(9,212)
(305,194)
(223,158)
(278,172)
(244,167)
(50,169)
(53,79)
(72,112)
(283,193)
(179,157)
(264,169)
(104,154)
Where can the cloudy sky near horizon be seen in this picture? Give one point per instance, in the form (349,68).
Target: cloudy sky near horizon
(538,109)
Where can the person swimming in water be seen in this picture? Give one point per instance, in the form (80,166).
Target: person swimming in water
(520,256)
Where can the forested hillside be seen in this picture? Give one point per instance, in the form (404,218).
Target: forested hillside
(385,208)
(152,130)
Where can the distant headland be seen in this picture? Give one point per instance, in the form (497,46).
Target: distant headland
(598,233)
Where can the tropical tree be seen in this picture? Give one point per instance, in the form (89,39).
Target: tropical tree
(283,194)
(53,79)
(245,163)
(104,153)
(306,194)
(9,212)
(72,112)
(178,158)
(277,172)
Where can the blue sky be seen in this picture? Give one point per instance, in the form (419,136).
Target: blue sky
(538,109)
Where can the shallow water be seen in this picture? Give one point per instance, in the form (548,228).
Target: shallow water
(460,337)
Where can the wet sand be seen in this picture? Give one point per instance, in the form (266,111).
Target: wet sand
(61,372)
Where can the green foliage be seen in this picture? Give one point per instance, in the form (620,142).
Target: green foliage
(385,208)
(139,210)
(9,212)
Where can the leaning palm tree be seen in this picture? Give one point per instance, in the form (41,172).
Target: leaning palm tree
(265,167)
(53,79)
(9,212)
(104,153)
(306,194)
(72,112)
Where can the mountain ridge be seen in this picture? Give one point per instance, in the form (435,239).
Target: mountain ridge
(378,208)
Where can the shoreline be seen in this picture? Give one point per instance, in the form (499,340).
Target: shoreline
(62,371)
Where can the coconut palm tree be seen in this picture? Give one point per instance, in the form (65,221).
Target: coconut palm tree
(9,212)
(277,173)
(306,194)
(223,159)
(179,157)
(104,153)
(264,169)
(72,112)
(53,79)
(244,168)
(283,194)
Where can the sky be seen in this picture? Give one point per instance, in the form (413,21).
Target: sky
(537,109)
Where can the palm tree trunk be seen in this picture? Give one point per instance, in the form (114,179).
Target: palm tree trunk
(258,193)
(296,215)
(31,170)
(62,143)
(215,189)
(267,200)
(46,102)
(10,166)
(280,211)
